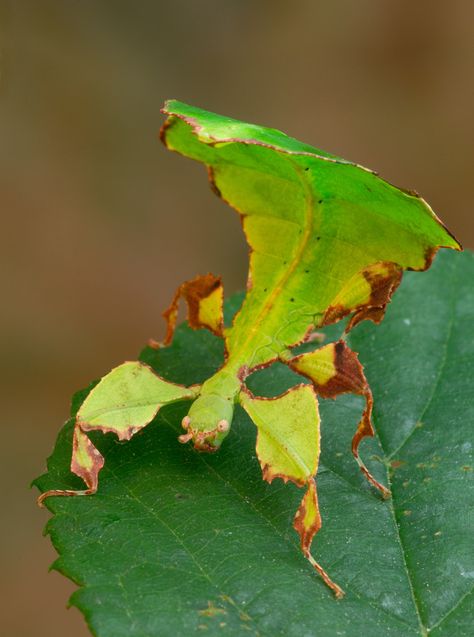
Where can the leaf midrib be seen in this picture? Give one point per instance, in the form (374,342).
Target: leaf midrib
(436,383)
(425,630)
(398,535)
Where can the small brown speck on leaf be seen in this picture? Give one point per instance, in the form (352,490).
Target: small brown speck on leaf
(396,464)
(212,610)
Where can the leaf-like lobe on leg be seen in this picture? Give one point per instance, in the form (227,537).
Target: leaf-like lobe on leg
(86,462)
(204,296)
(288,433)
(307,523)
(288,448)
(335,369)
(123,402)
(127,399)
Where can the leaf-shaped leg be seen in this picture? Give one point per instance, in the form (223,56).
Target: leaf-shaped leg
(335,369)
(288,448)
(204,296)
(123,402)
(86,462)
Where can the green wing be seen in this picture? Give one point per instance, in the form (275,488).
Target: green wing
(327,236)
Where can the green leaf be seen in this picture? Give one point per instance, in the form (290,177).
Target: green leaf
(178,542)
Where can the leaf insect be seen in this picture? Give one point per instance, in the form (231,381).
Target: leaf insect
(328,239)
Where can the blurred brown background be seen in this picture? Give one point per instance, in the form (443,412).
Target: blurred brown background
(100,223)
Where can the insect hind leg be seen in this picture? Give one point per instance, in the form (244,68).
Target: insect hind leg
(335,369)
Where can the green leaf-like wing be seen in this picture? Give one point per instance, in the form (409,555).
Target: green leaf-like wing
(177,542)
(327,236)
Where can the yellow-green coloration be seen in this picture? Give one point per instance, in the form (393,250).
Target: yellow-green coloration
(357,291)
(287,447)
(318,365)
(210,309)
(311,510)
(327,238)
(83,456)
(127,399)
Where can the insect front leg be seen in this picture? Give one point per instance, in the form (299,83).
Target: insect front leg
(86,462)
(125,401)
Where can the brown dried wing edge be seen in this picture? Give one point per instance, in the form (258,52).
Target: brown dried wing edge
(382,288)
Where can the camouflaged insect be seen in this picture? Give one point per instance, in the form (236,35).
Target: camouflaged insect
(328,238)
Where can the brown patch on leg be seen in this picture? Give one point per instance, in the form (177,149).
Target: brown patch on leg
(365,429)
(346,375)
(307,523)
(350,378)
(86,462)
(204,296)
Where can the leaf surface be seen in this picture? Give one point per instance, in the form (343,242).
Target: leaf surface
(178,542)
